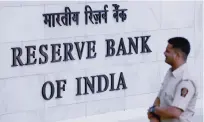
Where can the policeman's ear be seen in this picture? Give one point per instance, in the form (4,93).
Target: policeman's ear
(178,53)
(174,53)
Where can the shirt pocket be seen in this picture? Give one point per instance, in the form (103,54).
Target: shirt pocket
(168,97)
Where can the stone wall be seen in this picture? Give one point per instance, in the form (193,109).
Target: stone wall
(21,25)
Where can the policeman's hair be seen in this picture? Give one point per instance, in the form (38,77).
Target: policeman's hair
(181,44)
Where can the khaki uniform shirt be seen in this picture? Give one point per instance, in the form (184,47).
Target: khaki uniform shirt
(179,90)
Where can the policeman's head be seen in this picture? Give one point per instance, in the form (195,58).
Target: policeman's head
(177,50)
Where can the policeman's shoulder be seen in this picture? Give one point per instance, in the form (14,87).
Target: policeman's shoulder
(187,77)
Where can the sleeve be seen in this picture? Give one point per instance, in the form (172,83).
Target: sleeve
(183,95)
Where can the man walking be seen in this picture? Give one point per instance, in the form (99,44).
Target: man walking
(177,97)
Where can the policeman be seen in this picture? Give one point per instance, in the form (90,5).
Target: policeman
(176,99)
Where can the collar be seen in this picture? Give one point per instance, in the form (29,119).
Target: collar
(177,73)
